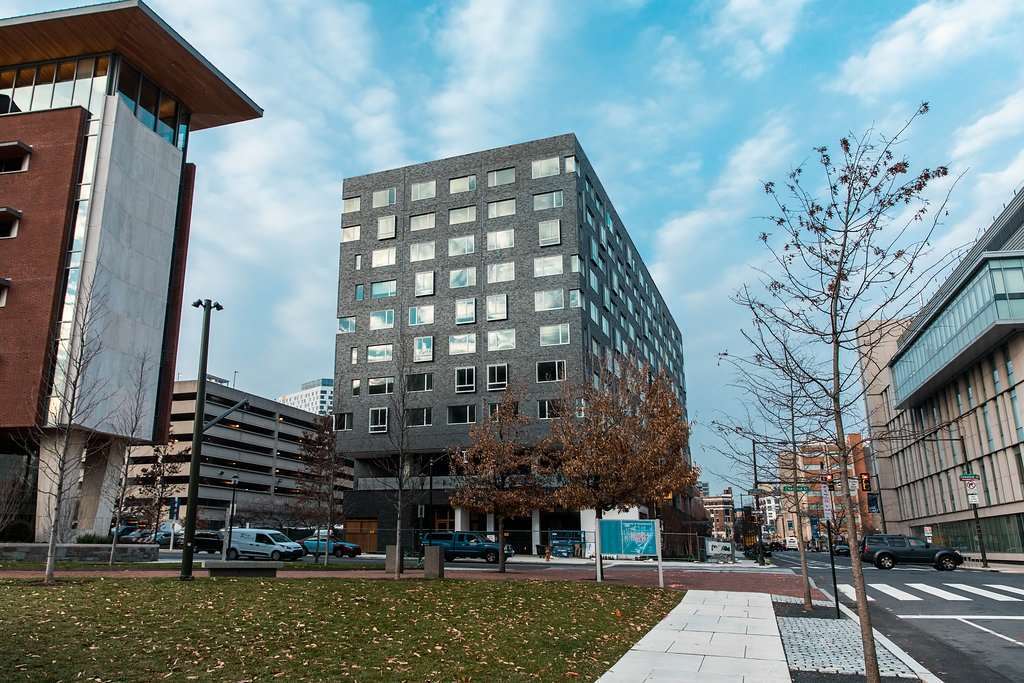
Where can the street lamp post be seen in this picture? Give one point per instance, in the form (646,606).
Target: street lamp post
(198,421)
(231,511)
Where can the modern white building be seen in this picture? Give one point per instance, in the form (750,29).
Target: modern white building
(315,396)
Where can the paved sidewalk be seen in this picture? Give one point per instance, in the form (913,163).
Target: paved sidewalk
(709,636)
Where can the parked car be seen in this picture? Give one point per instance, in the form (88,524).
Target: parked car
(136,536)
(163,539)
(750,552)
(475,544)
(207,541)
(267,544)
(315,544)
(842,549)
(885,551)
(124,530)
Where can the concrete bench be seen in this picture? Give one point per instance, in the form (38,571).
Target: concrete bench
(241,567)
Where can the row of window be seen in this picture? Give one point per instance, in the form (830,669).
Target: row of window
(460,344)
(387,226)
(465,379)
(549,233)
(379,418)
(427,189)
(496,307)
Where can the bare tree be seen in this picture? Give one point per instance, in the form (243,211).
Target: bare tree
(78,398)
(317,501)
(130,423)
(153,484)
(619,445)
(498,471)
(859,251)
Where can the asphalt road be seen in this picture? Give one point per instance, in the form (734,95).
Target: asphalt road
(964,625)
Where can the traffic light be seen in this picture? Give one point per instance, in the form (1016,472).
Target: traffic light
(865,481)
(831,482)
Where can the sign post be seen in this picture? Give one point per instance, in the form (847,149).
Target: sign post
(971,481)
(657,544)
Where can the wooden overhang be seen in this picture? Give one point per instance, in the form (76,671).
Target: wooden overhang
(134,31)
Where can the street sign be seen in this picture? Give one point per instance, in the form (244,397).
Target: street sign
(971,488)
(972,498)
(799,488)
(928,534)
(966,476)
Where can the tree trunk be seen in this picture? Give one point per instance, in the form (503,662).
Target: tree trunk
(113,540)
(51,545)
(501,543)
(398,535)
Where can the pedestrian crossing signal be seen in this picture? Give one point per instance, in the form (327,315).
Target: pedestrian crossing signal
(865,481)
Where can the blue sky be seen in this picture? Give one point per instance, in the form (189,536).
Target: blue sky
(684,108)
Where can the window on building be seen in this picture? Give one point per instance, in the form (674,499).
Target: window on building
(570,164)
(350,233)
(422,349)
(542,168)
(382,320)
(548,300)
(548,409)
(550,232)
(385,227)
(462,277)
(465,380)
(464,214)
(418,417)
(421,315)
(426,189)
(466,183)
(551,371)
(575,298)
(423,221)
(419,381)
(461,415)
(360,292)
(378,353)
(544,266)
(504,176)
(424,283)
(421,251)
(554,335)
(499,209)
(547,200)
(378,420)
(383,257)
(465,311)
(575,265)
(347,325)
(460,246)
(380,385)
(343,422)
(384,197)
(501,239)
(497,377)
(501,272)
(501,340)
(357,262)
(384,289)
(459,344)
(356,386)
(350,205)
(355,355)
(497,307)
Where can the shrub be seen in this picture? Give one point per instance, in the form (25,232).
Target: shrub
(94,538)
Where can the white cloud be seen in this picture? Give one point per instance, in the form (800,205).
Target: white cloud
(990,192)
(495,51)
(753,31)
(928,39)
(1006,121)
(674,66)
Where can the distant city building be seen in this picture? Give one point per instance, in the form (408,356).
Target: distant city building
(260,444)
(943,400)
(703,489)
(98,105)
(771,507)
(464,276)
(722,512)
(315,396)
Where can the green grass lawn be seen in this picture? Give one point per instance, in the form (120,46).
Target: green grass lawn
(319,629)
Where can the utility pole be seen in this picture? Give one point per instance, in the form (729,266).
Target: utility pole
(198,420)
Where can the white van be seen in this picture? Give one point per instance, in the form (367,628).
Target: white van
(268,544)
(791,543)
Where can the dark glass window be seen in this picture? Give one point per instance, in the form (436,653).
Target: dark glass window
(64,85)
(6,86)
(168,118)
(43,92)
(422,381)
(149,98)
(128,85)
(23,89)
(83,82)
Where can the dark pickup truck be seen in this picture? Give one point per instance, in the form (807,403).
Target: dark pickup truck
(475,544)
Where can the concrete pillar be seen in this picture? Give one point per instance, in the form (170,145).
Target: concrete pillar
(535,538)
(461,519)
(588,525)
(50,449)
(491,524)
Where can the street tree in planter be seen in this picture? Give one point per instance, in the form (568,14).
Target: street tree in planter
(619,445)
(497,472)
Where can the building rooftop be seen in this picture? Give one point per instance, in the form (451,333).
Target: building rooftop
(133,30)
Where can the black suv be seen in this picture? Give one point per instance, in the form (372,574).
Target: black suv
(885,551)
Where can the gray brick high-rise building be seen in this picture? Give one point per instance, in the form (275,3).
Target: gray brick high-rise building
(461,277)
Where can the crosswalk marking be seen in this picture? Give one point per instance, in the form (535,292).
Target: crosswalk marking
(938,592)
(1009,589)
(982,592)
(847,590)
(894,592)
